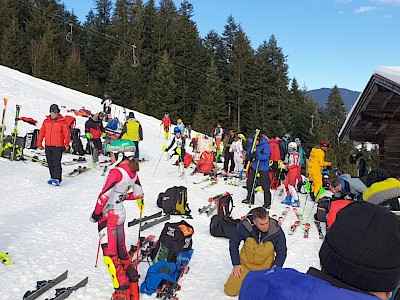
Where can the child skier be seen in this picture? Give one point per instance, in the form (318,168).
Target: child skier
(166,123)
(177,143)
(237,150)
(292,165)
(121,184)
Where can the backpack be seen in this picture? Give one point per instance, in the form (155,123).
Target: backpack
(225,205)
(174,239)
(8,147)
(71,122)
(323,207)
(31,139)
(223,227)
(174,201)
(77,147)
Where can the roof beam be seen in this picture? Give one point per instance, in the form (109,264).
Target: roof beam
(362,137)
(381,117)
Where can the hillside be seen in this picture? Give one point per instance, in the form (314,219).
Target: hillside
(321,96)
(47,231)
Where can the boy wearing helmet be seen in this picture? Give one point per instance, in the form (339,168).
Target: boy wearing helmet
(121,184)
(178,142)
(166,122)
(181,126)
(292,165)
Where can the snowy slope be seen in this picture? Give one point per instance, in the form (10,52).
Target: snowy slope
(47,229)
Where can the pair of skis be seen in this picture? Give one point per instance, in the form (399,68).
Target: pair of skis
(283,215)
(150,221)
(61,293)
(297,224)
(212,205)
(75,161)
(77,171)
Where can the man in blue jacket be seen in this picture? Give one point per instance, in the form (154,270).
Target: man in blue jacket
(258,174)
(360,260)
(264,246)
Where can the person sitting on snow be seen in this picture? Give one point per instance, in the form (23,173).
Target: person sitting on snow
(205,163)
(359,259)
(264,246)
(177,146)
(292,165)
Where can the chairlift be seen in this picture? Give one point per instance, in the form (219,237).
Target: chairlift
(135,62)
(68,37)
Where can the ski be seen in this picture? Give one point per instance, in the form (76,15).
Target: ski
(306,230)
(253,148)
(43,286)
(146,244)
(15,132)
(145,218)
(36,158)
(211,210)
(75,161)
(211,183)
(297,213)
(293,227)
(77,172)
(147,225)
(205,178)
(284,213)
(63,293)
(205,208)
(3,127)
(5,259)
(320,233)
(104,172)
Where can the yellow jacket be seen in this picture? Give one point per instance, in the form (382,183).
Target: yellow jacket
(132,130)
(316,162)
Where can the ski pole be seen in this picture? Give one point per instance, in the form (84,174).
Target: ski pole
(158,163)
(309,214)
(141,208)
(254,183)
(98,249)
(159,133)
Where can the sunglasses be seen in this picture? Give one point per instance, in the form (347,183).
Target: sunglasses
(55,111)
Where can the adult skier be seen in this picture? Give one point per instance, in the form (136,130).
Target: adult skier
(132,130)
(237,150)
(315,164)
(218,134)
(166,123)
(228,156)
(56,134)
(121,184)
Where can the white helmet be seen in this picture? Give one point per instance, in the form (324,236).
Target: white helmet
(292,146)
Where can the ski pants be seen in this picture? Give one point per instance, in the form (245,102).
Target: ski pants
(316,183)
(228,157)
(274,175)
(263,181)
(299,178)
(137,149)
(238,159)
(290,179)
(112,238)
(53,157)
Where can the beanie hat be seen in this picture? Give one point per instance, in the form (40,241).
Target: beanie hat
(54,108)
(131,115)
(382,191)
(297,140)
(377,175)
(324,143)
(361,248)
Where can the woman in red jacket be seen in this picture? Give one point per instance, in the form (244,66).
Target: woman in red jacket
(56,134)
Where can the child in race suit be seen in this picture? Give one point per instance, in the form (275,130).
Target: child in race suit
(121,184)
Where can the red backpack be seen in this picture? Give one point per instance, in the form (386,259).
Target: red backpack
(71,122)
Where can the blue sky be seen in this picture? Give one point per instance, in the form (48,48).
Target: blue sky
(327,42)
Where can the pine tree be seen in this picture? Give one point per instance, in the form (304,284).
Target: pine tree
(75,74)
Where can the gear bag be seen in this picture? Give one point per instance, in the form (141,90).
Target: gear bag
(8,147)
(174,239)
(225,205)
(77,147)
(223,227)
(174,201)
(31,139)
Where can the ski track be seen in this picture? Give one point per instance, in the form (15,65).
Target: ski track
(46,229)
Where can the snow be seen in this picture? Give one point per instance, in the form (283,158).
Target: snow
(46,229)
(390,72)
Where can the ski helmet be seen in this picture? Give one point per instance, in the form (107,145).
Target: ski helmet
(176,129)
(125,147)
(292,146)
(166,115)
(179,121)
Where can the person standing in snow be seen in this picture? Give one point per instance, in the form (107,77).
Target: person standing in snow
(166,123)
(177,146)
(292,165)
(132,130)
(264,246)
(228,156)
(121,184)
(56,134)
(94,131)
(302,156)
(237,150)
(358,161)
(106,102)
(218,133)
(181,127)
(359,259)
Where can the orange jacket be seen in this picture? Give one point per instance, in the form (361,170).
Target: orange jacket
(55,132)
(274,147)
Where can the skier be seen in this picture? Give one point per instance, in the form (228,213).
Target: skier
(166,123)
(359,260)
(302,156)
(177,143)
(189,131)
(258,174)
(132,130)
(275,157)
(122,184)
(181,127)
(56,134)
(264,246)
(228,156)
(106,102)
(218,133)
(94,131)
(237,150)
(292,165)
(315,164)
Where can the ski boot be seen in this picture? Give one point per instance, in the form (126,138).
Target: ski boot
(122,293)
(56,182)
(50,181)
(288,200)
(296,203)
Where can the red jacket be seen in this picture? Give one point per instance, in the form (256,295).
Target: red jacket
(55,132)
(166,121)
(274,147)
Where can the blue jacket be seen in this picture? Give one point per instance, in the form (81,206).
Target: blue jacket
(263,152)
(275,235)
(288,284)
(302,154)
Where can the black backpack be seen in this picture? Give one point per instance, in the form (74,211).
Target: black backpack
(323,206)
(174,239)
(77,147)
(31,139)
(8,147)
(223,227)
(225,205)
(174,201)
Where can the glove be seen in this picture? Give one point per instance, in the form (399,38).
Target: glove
(89,135)
(94,218)
(164,148)
(140,204)
(251,156)
(179,151)
(103,135)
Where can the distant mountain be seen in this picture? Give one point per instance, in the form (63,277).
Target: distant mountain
(321,96)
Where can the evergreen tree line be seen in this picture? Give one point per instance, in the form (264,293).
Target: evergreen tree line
(218,78)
